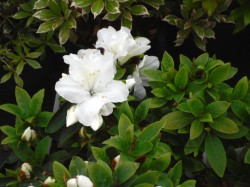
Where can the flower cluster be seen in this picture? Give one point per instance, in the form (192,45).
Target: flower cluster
(90,84)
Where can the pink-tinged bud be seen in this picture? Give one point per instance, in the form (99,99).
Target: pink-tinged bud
(25,171)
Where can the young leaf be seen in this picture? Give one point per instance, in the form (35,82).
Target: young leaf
(175,173)
(23,100)
(166,62)
(195,106)
(216,154)
(181,79)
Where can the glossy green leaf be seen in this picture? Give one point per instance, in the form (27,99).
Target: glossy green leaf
(45,15)
(33,63)
(112,6)
(83,3)
(139,10)
(39,4)
(239,108)
(150,177)
(21,15)
(64,34)
(166,62)
(100,154)
(216,154)
(36,103)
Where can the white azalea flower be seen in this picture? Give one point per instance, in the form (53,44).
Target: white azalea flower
(80,181)
(148,62)
(90,86)
(27,169)
(121,43)
(28,135)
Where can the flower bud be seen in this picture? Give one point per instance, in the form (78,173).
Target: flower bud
(115,162)
(49,180)
(130,83)
(28,135)
(25,170)
(80,181)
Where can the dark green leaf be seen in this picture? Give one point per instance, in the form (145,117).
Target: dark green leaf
(150,177)
(195,106)
(42,149)
(216,154)
(151,131)
(196,129)
(61,174)
(217,108)
(77,166)
(161,163)
(240,89)
(45,15)
(175,173)
(139,10)
(142,110)
(100,154)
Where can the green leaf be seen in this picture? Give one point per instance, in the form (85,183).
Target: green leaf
(139,10)
(196,129)
(188,183)
(23,100)
(155,75)
(193,145)
(21,15)
(210,6)
(100,154)
(150,177)
(161,92)
(151,131)
(61,174)
(39,4)
(216,154)
(125,109)
(77,166)
(192,165)
(36,103)
(64,34)
(23,152)
(175,173)
(6,77)
(11,108)
(123,124)
(219,74)
(224,125)
(97,7)
(185,62)
(158,102)
(177,120)
(33,63)
(55,7)
(142,110)
(42,149)
(49,25)
(201,61)
(45,15)
(118,143)
(83,3)
(10,140)
(217,108)
(240,110)
(126,22)
(247,157)
(8,130)
(242,132)
(161,163)
(59,119)
(240,89)
(124,171)
(141,148)
(181,79)
(67,135)
(166,62)
(112,6)
(42,119)
(99,175)
(33,55)
(195,106)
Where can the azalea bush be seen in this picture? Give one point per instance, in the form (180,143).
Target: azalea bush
(122,116)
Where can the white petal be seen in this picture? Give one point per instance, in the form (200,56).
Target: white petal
(72,183)
(139,92)
(115,91)
(27,166)
(49,180)
(71,90)
(89,112)
(72,114)
(26,172)
(68,59)
(84,181)
(149,62)
(26,134)
(107,109)
(130,82)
